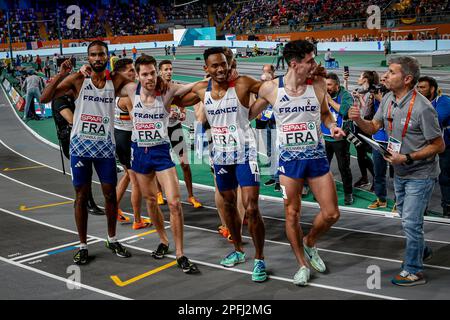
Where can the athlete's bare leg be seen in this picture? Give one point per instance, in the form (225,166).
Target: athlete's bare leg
(232,219)
(187,174)
(240,204)
(147,185)
(122,186)
(81,214)
(324,191)
(109,192)
(136,197)
(292,205)
(219,204)
(169,182)
(256,227)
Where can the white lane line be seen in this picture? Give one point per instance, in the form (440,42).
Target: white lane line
(213,208)
(269,241)
(46,255)
(53,276)
(198,262)
(363,231)
(218,266)
(46,250)
(329,250)
(308,204)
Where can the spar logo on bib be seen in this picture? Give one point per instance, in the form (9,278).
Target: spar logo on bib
(224,136)
(299,134)
(149,131)
(93,126)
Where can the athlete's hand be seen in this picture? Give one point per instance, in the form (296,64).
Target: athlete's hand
(329,98)
(319,71)
(173,115)
(233,75)
(162,86)
(354,113)
(65,68)
(182,116)
(86,70)
(337,133)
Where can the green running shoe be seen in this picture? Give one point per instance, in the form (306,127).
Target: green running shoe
(118,249)
(314,259)
(233,259)
(259,271)
(81,257)
(302,276)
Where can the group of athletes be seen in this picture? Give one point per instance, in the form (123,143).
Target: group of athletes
(147,115)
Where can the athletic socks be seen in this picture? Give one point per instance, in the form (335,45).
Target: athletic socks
(112,239)
(83,246)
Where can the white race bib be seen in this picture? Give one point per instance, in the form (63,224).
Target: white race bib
(149,134)
(225,138)
(94,127)
(299,136)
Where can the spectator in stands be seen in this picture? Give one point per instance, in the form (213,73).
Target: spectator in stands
(339,102)
(428,87)
(32,87)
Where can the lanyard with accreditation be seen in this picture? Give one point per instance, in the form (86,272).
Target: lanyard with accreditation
(394,144)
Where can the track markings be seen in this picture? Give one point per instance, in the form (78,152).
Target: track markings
(121,283)
(25,208)
(23,168)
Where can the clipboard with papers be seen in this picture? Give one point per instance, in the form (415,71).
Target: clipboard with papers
(375,145)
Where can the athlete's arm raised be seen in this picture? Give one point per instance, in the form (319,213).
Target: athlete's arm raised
(62,83)
(196,94)
(263,100)
(177,89)
(123,86)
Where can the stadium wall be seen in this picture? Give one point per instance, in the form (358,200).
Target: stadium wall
(347,35)
(364,46)
(19,46)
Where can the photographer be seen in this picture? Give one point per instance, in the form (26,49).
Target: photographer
(339,102)
(364,95)
(379,163)
(428,87)
(415,139)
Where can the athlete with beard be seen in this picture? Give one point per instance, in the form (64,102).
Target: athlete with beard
(92,139)
(300,106)
(151,157)
(226,108)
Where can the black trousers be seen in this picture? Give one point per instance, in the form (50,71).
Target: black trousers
(342,150)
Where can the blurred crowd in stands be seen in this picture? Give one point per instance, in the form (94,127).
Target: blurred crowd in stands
(236,17)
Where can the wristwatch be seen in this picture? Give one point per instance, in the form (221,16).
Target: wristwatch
(409,160)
